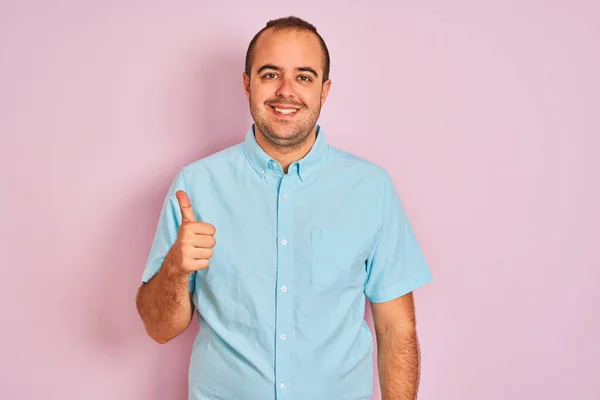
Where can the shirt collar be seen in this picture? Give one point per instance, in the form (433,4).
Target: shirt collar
(261,161)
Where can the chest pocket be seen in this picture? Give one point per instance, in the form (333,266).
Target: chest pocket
(338,257)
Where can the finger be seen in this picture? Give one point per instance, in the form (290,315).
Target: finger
(200,264)
(201,228)
(185,205)
(198,241)
(199,253)
(203,241)
(191,264)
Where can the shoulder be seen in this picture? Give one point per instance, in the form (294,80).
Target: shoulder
(216,162)
(354,164)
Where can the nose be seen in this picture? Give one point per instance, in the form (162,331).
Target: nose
(286,88)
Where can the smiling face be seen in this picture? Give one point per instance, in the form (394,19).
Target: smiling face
(285,88)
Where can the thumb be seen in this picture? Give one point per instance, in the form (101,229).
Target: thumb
(187,214)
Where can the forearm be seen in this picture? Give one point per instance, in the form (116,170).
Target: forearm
(165,306)
(398,364)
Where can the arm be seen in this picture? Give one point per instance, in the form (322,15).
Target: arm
(165,304)
(397,348)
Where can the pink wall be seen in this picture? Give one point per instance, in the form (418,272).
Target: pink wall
(487,116)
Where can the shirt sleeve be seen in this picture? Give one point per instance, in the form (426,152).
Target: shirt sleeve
(396,266)
(166,231)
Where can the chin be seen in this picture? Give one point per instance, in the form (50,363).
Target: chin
(282,134)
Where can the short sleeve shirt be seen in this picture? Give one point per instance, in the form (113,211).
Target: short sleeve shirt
(281,306)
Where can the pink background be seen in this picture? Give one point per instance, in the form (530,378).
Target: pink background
(487,116)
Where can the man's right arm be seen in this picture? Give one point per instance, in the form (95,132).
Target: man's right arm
(165,302)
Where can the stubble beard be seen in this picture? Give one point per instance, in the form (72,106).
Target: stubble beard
(300,129)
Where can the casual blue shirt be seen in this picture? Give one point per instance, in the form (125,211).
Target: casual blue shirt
(281,306)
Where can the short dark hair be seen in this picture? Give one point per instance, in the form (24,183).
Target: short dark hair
(293,23)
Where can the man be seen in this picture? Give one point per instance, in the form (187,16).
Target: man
(278,241)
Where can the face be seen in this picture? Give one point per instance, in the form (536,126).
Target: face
(285,88)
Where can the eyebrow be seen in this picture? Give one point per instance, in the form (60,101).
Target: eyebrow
(276,68)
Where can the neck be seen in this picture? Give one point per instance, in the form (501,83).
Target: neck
(286,155)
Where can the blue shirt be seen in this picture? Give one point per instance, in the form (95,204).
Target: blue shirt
(281,306)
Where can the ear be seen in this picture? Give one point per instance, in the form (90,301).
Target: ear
(325,90)
(246,80)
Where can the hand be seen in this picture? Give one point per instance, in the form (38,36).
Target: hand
(195,240)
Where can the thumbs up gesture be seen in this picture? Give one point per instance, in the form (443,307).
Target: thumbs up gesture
(195,240)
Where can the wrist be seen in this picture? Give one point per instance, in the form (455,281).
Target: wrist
(172,272)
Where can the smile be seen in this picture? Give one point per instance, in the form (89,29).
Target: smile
(284,111)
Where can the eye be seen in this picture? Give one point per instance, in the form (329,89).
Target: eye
(305,78)
(269,75)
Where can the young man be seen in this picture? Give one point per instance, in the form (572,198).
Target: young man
(278,241)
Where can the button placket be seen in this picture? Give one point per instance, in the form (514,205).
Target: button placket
(284,306)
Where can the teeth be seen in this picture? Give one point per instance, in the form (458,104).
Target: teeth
(288,111)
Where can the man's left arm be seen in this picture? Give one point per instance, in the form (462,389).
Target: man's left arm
(395,268)
(397,348)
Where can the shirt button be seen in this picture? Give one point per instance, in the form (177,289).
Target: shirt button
(284,289)
(282,337)
(262,171)
(284,242)
(285,196)
(282,386)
